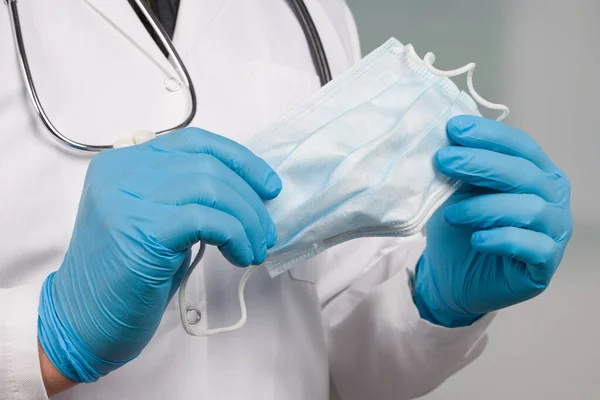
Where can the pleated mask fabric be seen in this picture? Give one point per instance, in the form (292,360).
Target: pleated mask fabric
(356,158)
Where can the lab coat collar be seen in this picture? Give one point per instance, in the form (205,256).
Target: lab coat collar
(193,18)
(121,16)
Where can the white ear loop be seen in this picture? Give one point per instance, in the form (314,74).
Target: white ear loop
(182,301)
(144,136)
(429,59)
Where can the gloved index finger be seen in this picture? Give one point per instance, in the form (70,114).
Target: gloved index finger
(253,169)
(482,133)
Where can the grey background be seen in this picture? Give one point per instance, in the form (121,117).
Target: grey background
(542,59)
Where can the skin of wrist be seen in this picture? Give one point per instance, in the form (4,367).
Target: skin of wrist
(54,381)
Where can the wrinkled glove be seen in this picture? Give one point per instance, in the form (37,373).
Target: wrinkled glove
(141,210)
(499,239)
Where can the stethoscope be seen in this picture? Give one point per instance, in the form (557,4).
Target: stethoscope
(310,31)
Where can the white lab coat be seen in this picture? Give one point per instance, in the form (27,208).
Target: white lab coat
(342,325)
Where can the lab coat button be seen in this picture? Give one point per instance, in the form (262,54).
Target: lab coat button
(172,84)
(193,316)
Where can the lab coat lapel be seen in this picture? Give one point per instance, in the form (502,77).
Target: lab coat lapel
(193,19)
(121,16)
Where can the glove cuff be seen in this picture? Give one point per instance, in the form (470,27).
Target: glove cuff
(68,355)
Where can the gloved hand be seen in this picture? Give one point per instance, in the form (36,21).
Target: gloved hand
(141,209)
(499,239)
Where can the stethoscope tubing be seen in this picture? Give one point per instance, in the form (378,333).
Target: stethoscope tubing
(312,36)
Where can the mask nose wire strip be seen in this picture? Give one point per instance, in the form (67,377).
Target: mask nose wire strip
(429,59)
(182,300)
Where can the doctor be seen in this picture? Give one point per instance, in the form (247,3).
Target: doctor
(369,319)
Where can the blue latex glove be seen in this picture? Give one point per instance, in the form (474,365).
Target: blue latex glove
(499,239)
(141,209)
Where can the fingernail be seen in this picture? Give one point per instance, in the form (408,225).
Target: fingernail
(261,255)
(446,152)
(273,183)
(478,238)
(460,124)
(450,215)
(249,255)
(272,234)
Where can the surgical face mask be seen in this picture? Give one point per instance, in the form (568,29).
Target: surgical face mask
(356,159)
